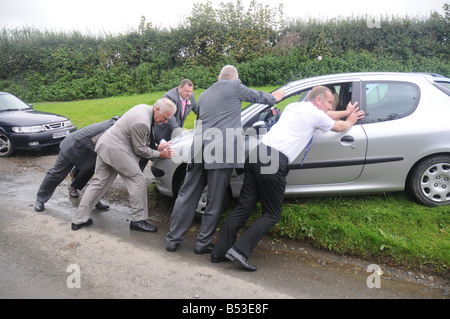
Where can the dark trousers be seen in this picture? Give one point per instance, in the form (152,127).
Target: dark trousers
(186,203)
(81,178)
(267,188)
(57,174)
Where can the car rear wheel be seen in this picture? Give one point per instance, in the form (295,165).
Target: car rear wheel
(6,146)
(430,181)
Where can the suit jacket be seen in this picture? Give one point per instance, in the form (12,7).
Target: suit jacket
(219,110)
(79,147)
(175,124)
(130,139)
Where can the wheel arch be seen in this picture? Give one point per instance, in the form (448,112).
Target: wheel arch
(437,191)
(178,178)
(417,163)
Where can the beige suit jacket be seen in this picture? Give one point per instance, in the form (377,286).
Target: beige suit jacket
(128,140)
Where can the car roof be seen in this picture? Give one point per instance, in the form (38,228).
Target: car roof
(348,76)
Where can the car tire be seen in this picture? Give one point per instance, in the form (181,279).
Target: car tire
(430,181)
(6,146)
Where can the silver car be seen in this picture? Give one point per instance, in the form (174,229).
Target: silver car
(403,143)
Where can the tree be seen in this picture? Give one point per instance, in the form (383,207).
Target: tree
(232,33)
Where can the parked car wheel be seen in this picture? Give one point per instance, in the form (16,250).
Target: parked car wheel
(430,182)
(6,146)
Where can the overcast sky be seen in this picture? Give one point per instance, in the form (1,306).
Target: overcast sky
(114,16)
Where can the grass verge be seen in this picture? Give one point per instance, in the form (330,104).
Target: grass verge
(388,228)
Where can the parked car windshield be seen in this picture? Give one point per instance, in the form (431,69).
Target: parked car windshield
(9,102)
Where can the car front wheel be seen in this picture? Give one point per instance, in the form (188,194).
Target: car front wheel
(6,146)
(430,181)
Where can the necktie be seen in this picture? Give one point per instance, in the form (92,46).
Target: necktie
(308,147)
(152,136)
(183,108)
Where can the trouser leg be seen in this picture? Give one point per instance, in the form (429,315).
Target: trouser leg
(53,178)
(271,189)
(236,220)
(103,179)
(81,178)
(218,181)
(137,189)
(186,203)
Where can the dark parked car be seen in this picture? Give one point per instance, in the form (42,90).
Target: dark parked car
(402,143)
(22,127)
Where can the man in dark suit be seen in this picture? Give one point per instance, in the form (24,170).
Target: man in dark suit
(76,150)
(184,99)
(214,157)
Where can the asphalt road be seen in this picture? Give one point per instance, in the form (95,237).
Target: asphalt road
(41,257)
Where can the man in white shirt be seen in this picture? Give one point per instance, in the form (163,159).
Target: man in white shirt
(284,142)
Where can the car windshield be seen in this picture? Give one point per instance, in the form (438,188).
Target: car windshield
(9,102)
(248,107)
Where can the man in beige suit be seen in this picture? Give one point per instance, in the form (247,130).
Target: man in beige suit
(118,152)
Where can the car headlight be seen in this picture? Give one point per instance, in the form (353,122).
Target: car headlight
(67,124)
(28,129)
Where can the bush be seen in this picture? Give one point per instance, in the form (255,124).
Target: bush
(47,66)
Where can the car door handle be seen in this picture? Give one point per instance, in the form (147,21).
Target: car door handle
(347,140)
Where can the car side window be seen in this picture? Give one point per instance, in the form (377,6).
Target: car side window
(387,101)
(342,93)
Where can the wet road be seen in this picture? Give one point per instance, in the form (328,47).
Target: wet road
(39,252)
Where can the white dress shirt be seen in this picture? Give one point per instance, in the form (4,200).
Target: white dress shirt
(296,126)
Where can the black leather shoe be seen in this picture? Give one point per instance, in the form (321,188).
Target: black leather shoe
(218,259)
(101,206)
(234,255)
(79,226)
(172,248)
(206,250)
(39,206)
(144,226)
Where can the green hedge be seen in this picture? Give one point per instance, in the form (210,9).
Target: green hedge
(270,70)
(47,66)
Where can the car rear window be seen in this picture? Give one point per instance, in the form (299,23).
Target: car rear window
(387,101)
(444,86)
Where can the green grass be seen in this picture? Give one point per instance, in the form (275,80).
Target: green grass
(86,112)
(385,228)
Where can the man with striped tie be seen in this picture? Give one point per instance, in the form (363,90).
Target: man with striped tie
(280,146)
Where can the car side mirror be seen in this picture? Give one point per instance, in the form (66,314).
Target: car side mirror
(258,125)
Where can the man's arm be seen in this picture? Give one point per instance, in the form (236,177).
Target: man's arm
(139,139)
(253,96)
(343,126)
(337,115)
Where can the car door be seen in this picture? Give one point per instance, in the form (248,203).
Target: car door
(333,157)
